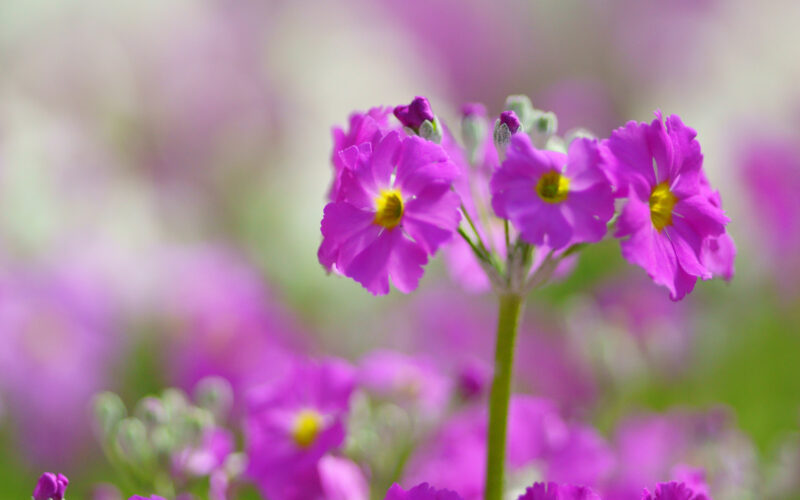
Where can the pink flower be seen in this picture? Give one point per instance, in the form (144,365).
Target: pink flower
(420,492)
(669,214)
(674,491)
(551,198)
(292,423)
(555,491)
(396,208)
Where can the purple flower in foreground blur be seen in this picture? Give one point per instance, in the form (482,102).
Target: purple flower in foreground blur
(153,497)
(242,335)
(414,114)
(455,457)
(673,491)
(407,380)
(50,487)
(770,171)
(554,491)
(423,491)
(292,423)
(364,127)
(396,208)
(341,479)
(552,198)
(669,215)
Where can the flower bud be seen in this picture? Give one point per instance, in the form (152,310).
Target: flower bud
(132,440)
(175,403)
(473,129)
(431,131)
(151,412)
(197,422)
(543,126)
(109,410)
(50,487)
(215,394)
(415,114)
(522,108)
(419,118)
(505,126)
(163,440)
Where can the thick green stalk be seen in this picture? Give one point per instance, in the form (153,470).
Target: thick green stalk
(507,321)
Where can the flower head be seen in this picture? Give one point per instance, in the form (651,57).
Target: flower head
(553,198)
(669,214)
(407,380)
(422,491)
(396,209)
(414,114)
(50,487)
(292,423)
(673,491)
(555,491)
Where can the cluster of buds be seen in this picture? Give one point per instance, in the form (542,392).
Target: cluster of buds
(171,444)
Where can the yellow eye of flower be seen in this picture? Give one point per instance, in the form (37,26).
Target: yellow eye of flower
(553,187)
(662,201)
(389,208)
(307,426)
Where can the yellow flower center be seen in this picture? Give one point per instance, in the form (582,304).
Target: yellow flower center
(662,201)
(307,426)
(389,208)
(553,187)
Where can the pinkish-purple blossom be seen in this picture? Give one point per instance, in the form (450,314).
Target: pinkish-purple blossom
(669,214)
(396,209)
(552,198)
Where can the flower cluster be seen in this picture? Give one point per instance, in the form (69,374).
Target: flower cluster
(520,198)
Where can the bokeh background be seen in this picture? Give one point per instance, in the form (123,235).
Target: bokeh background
(164,164)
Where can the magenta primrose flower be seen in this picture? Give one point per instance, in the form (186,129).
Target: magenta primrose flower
(422,491)
(50,487)
(396,208)
(291,424)
(669,214)
(553,198)
(674,491)
(555,491)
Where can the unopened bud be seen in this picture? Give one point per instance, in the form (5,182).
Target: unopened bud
(151,412)
(522,107)
(473,129)
(215,394)
(196,423)
(109,410)
(50,487)
(132,440)
(415,114)
(505,126)
(431,131)
(175,403)
(543,126)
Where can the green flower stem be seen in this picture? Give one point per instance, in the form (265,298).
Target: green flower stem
(507,322)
